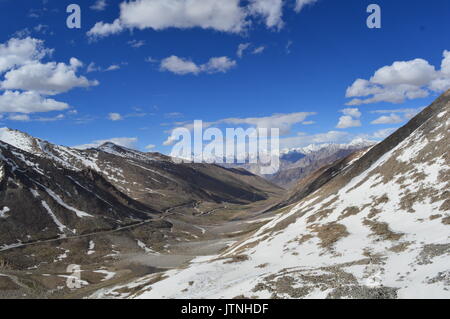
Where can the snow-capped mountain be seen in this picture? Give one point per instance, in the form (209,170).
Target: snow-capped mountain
(298,163)
(358,143)
(378,228)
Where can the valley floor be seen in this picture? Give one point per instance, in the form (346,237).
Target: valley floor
(116,257)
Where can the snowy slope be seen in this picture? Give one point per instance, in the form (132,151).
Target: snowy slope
(380,229)
(40,200)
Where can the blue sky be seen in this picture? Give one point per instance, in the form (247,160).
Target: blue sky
(156,68)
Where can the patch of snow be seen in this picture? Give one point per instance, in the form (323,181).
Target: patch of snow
(3,212)
(52,194)
(60,225)
(108,274)
(91,248)
(145,248)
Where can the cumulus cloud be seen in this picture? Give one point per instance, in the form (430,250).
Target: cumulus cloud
(101,29)
(178,65)
(28,102)
(46,78)
(17,52)
(350,118)
(270,10)
(219,15)
(128,142)
(403,80)
(27,80)
(234,16)
(183,66)
(354,112)
(348,121)
(150,147)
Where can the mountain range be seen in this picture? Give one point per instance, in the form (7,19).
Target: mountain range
(362,220)
(372,225)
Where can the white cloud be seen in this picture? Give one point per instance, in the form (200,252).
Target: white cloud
(101,29)
(129,142)
(300,4)
(150,147)
(407,113)
(99,5)
(113,67)
(347,121)
(19,117)
(395,116)
(115,117)
(26,80)
(42,28)
(354,112)
(403,80)
(417,72)
(136,44)
(350,118)
(23,33)
(27,118)
(28,102)
(218,64)
(17,52)
(445,65)
(50,78)
(388,119)
(241,49)
(178,65)
(259,50)
(283,122)
(183,66)
(270,10)
(93,68)
(220,15)
(49,119)
(382,134)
